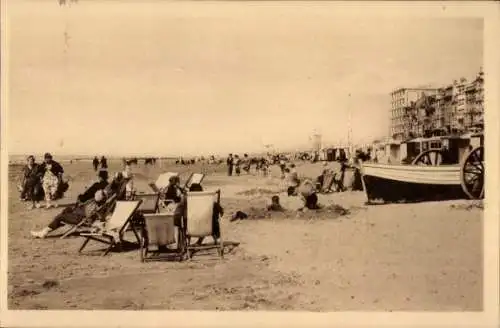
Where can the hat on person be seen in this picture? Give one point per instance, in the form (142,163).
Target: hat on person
(47,156)
(99,195)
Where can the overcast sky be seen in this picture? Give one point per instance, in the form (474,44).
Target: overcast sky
(173,78)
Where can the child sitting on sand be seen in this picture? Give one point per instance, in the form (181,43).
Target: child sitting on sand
(307,192)
(275,205)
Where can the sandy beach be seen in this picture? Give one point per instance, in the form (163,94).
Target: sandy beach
(400,257)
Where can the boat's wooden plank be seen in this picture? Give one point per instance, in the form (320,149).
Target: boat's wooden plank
(438,177)
(418,168)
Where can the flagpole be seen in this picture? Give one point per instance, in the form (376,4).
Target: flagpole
(349,125)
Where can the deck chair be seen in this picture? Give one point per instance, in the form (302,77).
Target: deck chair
(328,182)
(159,230)
(194,178)
(114,229)
(162,181)
(199,213)
(150,202)
(99,213)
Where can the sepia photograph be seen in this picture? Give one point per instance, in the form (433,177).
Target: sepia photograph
(243,156)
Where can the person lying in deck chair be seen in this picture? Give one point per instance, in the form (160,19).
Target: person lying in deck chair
(101,184)
(117,186)
(73,215)
(180,211)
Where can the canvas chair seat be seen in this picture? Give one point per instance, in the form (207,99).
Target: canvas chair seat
(160,231)
(112,232)
(150,202)
(199,214)
(162,181)
(328,182)
(194,178)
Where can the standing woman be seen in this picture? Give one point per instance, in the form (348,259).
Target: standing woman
(52,176)
(95,163)
(237,165)
(31,188)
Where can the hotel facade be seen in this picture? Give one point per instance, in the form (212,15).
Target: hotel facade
(453,109)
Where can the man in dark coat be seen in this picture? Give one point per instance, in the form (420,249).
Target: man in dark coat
(230,164)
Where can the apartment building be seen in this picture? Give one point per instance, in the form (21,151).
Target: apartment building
(402,116)
(473,112)
(454,108)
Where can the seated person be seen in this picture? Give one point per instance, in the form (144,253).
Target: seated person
(116,186)
(174,190)
(73,215)
(275,205)
(129,185)
(307,192)
(101,184)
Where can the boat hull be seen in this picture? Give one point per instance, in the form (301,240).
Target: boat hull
(411,183)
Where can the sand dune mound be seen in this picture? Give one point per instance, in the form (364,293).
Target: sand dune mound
(257,192)
(324,213)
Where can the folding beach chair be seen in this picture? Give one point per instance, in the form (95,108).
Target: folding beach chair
(328,182)
(114,229)
(162,181)
(194,178)
(149,202)
(158,233)
(99,214)
(199,213)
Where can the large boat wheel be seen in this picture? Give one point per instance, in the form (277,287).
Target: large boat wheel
(431,157)
(472,173)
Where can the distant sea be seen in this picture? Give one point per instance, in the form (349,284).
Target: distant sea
(21,159)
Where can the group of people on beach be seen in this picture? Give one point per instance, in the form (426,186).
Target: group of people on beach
(93,198)
(235,164)
(122,187)
(42,182)
(103,163)
(47,178)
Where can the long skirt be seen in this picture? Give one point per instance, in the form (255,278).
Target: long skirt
(50,184)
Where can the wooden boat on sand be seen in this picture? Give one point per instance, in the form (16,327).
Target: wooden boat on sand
(431,181)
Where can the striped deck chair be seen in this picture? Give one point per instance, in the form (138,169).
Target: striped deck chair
(328,182)
(99,214)
(194,178)
(199,214)
(114,229)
